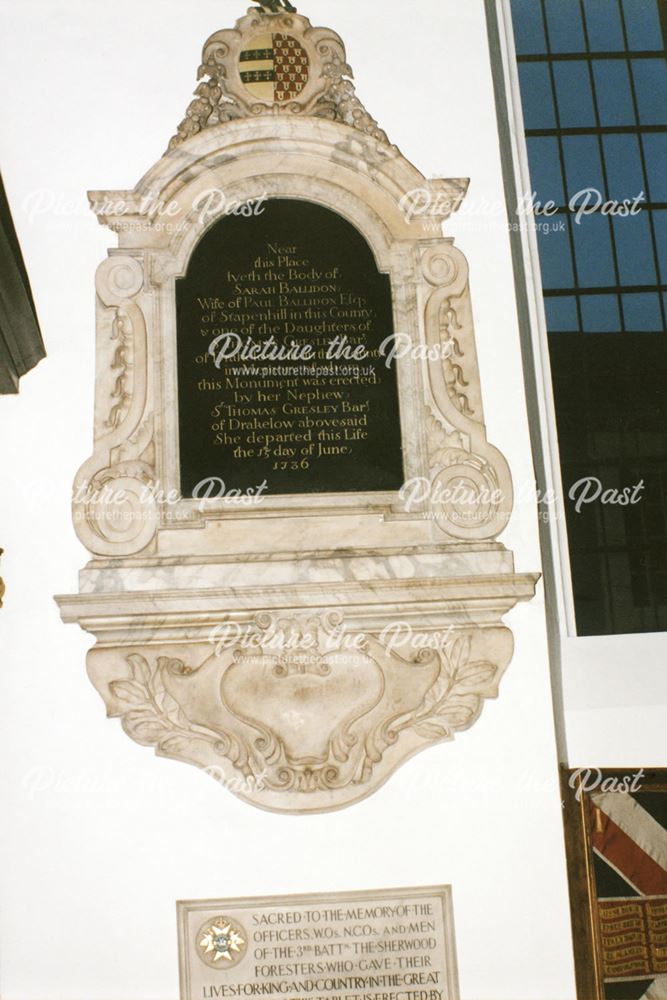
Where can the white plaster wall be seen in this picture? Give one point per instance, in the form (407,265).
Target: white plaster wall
(616,700)
(100,838)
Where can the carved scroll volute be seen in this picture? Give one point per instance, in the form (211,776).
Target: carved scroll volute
(114,507)
(471,486)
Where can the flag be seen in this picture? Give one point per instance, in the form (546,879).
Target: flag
(629,841)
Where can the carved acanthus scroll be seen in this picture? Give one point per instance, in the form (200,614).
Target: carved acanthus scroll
(470,480)
(114,507)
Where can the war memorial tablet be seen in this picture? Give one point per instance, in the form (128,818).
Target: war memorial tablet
(393,944)
(292,507)
(285,331)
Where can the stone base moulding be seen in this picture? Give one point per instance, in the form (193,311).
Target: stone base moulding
(302,647)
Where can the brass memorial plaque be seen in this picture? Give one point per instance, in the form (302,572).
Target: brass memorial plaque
(389,944)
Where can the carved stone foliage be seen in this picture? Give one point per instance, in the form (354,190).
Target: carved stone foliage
(302,704)
(471,487)
(114,508)
(326,90)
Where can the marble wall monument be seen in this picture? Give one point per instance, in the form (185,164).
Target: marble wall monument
(292,506)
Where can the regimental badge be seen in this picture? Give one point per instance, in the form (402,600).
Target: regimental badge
(275,68)
(221,943)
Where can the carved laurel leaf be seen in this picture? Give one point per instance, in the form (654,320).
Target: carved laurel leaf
(153,717)
(149,732)
(157,684)
(437,693)
(141,670)
(128,691)
(173,710)
(454,700)
(459,654)
(144,727)
(175,744)
(460,712)
(450,664)
(434,729)
(474,676)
